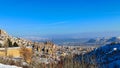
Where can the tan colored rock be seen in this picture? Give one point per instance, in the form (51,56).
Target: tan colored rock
(2,32)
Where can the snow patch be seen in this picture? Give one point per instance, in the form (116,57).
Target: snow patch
(8,66)
(114,49)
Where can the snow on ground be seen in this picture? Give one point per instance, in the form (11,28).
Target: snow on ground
(8,66)
(107,56)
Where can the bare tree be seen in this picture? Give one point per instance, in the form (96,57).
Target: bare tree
(25,53)
(6,44)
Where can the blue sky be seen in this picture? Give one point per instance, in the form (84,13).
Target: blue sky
(52,17)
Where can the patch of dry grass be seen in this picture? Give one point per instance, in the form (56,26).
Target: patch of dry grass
(14,52)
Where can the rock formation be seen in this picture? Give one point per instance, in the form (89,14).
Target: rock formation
(12,41)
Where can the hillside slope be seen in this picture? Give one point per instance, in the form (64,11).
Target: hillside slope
(107,56)
(6,39)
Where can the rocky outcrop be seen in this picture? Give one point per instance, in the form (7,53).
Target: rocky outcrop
(2,32)
(46,47)
(10,41)
(3,37)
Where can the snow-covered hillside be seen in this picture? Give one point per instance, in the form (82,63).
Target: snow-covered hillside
(107,56)
(8,66)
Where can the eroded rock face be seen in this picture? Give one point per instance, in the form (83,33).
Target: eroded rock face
(47,47)
(2,32)
(10,41)
(3,37)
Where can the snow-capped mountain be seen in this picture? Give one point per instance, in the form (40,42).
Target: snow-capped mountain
(114,39)
(104,40)
(107,56)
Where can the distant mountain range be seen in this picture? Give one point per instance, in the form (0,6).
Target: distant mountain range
(104,40)
(77,41)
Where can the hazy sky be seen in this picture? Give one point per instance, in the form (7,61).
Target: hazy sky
(47,17)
